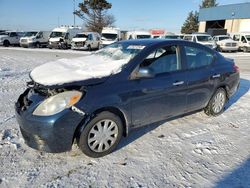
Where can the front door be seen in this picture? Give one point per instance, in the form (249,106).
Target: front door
(164,95)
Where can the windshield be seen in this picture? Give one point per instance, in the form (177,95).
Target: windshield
(55,34)
(81,36)
(109,36)
(172,37)
(204,38)
(120,51)
(224,38)
(248,37)
(143,36)
(30,34)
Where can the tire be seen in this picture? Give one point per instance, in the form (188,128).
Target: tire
(6,43)
(217,103)
(38,45)
(89,48)
(244,49)
(90,145)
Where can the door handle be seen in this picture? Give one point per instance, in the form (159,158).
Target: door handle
(216,76)
(178,83)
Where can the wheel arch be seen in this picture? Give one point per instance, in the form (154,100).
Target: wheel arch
(111,109)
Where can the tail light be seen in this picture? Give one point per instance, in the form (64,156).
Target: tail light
(236,68)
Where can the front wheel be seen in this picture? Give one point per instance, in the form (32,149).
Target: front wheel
(6,43)
(101,135)
(217,103)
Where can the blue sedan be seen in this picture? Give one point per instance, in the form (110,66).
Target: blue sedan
(100,98)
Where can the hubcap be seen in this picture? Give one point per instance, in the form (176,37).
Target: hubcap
(219,101)
(102,135)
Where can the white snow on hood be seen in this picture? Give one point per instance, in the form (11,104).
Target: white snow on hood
(70,70)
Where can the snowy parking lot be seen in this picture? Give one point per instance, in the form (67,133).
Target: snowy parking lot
(190,151)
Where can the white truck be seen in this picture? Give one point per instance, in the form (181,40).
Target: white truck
(35,39)
(243,40)
(110,35)
(8,38)
(138,35)
(202,38)
(86,41)
(61,37)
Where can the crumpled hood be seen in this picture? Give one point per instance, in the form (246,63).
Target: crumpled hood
(65,71)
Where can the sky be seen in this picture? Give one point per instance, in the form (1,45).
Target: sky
(129,14)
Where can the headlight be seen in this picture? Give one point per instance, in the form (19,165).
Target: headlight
(58,103)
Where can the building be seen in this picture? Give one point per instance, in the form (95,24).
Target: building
(233,18)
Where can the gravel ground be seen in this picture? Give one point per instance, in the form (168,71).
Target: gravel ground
(191,151)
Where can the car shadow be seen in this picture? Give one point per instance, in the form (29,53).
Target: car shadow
(139,132)
(243,89)
(240,177)
(136,133)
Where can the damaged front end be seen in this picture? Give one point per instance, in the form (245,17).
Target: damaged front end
(44,124)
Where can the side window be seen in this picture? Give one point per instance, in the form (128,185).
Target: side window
(67,36)
(197,57)
(163,60)
(236,38)
(90,37)
(243,39)
(194,39)
(13,35)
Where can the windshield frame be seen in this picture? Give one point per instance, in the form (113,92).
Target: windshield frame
(109,36)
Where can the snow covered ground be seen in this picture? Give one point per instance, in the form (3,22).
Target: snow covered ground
(191,151)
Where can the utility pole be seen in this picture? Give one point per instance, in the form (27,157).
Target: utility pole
(74,13)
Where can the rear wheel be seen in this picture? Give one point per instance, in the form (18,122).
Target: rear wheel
(6,43)
(101,135)
(217,103)
(244,49)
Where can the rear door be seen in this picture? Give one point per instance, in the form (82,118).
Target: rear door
(201,76)
(164,95)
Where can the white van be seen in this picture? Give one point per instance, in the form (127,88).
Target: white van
(110,35)
(61,37)
(243,40)
(138,35)
(202,38)
(86,41)
(35,39)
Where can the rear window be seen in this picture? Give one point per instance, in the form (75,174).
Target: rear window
(197,57)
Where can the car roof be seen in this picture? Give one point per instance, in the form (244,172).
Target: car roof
(151,42)
(221,36)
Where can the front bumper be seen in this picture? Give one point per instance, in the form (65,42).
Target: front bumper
(27,45)
(227,48)
(46,133)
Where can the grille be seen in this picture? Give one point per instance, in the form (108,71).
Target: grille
(24,40)
(231,44)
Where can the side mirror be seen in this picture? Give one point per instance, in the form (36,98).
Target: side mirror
(145,73)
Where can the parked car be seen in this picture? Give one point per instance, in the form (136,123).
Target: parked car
(201,38)
(8,38)
(138,35)
(243,40)
(226,43)
(35,39)
(97,99)
(110,35)
(86,41)
(61,37)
